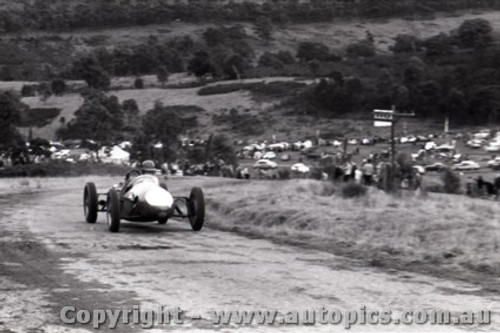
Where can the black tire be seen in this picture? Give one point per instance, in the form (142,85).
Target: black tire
(196,208)
(90,203)
(113,211)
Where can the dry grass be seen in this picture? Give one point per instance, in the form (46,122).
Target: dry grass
(430,232)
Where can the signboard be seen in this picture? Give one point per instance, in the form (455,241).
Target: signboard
(383,118)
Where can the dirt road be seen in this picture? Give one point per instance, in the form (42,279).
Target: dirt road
(51,259)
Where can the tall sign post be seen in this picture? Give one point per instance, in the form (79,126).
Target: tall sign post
(386,118)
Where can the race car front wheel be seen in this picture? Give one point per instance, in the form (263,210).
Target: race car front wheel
(113,211)
(90,203)
(196,208)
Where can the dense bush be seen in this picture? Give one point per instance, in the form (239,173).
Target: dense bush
(284,173)
(353,190)
(451,181)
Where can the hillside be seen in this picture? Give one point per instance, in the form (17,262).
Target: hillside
(337,35)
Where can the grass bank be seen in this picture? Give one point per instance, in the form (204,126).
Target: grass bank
(445,235)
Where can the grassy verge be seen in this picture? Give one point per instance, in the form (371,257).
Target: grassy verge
(444,235)
(62,169)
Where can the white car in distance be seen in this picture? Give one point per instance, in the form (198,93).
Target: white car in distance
(466,165)
(300,168)
(265,164)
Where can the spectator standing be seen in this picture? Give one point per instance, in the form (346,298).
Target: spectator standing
(368,172)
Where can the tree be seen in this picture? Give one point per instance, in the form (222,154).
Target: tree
(90,70)
(100,118)
(415,72)
(221,148)
(455,106)
(130,112)
(162,75)
(269,59)
(309,50)
(405,44)
(314,66)
(475,33)
(439,45)
(263,27)
(362,48)
(163,125)
(235,67)
(11,110)
(138,83)
(214,37)
(384,82)
(44,91)
(58,87)
(201,65)
(285,57)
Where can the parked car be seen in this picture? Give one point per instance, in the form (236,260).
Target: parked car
(492,148)
(270,155)
(435,167)
(494,163)
(475,143)
(466,165)
(278,146)
(482,134)
(300,168)
(265,164)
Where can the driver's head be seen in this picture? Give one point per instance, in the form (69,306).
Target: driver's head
(148,167)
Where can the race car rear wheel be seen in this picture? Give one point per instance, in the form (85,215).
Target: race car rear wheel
(90,203)
(113,211)
(196,208)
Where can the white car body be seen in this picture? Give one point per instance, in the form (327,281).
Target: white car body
(494,162)
(300,168)
(146,188)
(492,147)
(475,143)
(265,164)
(269,155)
(466,165)
(482,134)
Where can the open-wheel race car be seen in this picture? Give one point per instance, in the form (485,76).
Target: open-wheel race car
(142,198)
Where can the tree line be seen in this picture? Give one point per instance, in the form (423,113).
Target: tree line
(451,75)
(65,15)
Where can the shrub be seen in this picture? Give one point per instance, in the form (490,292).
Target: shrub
(28,90)
(353,190)
(284,173)
(451,181)
(316,173)
(58,86)
(139,83)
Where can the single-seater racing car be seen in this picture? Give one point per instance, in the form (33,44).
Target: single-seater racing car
(142,198)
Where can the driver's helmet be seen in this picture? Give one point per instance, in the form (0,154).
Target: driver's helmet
(148,167)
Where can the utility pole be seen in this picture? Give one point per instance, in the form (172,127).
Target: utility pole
(384,118)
